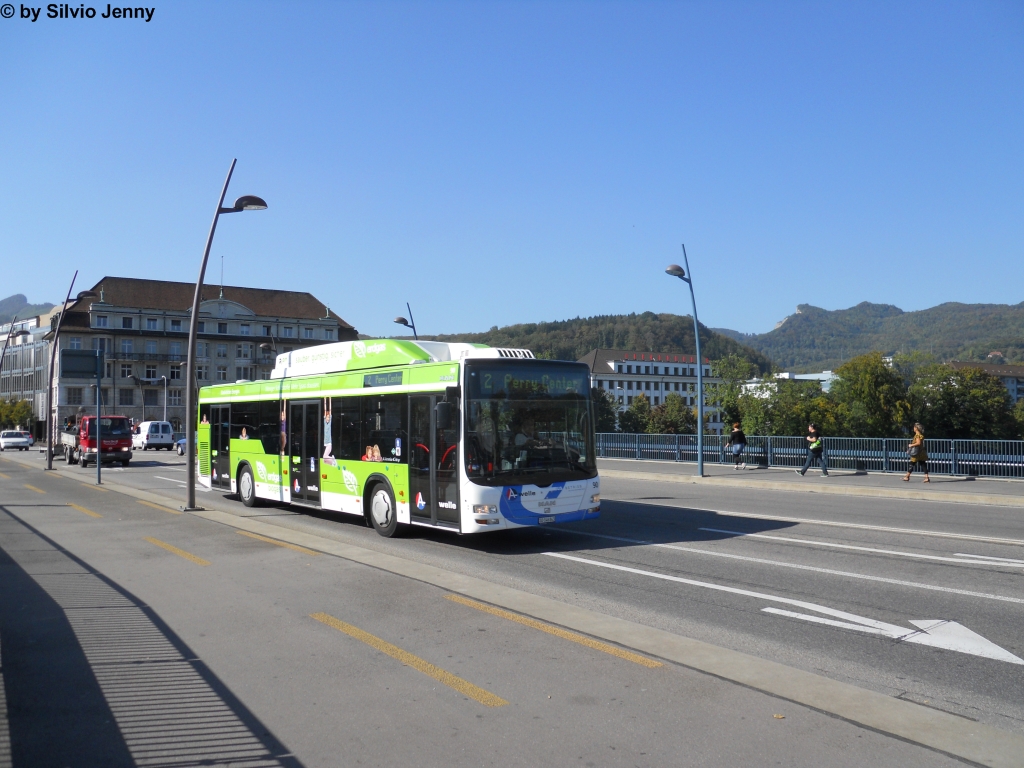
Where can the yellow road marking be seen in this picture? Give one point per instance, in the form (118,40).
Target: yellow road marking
(5,477)
(552,630)
(179,552)
(96,488)
(157,506)
(284,544)
(462,686)
(33,488)
(88,512)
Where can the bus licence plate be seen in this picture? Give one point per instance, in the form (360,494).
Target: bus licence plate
(543,520)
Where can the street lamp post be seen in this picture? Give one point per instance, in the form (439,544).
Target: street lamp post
(54,344)
(244,203)
(410,323)
(684,274)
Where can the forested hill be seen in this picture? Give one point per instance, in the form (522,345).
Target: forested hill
(817,339)
(647,332)
(18,305)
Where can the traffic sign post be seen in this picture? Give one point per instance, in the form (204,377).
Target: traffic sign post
(84,364)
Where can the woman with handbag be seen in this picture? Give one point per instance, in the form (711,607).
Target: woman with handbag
(918,455)
(737,442)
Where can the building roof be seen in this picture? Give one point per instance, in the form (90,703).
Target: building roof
(168,295)
(604,360)
(1015,371)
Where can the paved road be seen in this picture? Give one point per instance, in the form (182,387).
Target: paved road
(239,628)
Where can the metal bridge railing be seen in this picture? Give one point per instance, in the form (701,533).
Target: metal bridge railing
(972,458)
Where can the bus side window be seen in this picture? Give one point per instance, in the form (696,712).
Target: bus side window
(345,428)
(270,426)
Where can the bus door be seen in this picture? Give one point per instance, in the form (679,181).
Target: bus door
(220,445)
(304,422)
(433,463)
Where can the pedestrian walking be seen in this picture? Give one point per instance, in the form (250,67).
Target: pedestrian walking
(815,451)
(737,443)
(918,455)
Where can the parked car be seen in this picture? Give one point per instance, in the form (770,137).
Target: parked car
(28,436)
(11,440)
(153,434)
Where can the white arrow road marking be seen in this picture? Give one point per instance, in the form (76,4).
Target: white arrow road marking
(947,635)
(958,559)
(798,566)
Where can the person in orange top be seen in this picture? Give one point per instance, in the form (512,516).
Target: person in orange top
(918,455)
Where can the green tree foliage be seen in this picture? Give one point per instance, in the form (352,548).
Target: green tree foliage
(673,417)
(15,413)
(875,396)
(637,417)
(605,412)
(734,370)
(964,403)
(1018,416)
(649,332)
(787,407)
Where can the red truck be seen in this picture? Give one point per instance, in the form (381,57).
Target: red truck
(79,441)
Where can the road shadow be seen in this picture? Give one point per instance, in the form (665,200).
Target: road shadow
(94,677)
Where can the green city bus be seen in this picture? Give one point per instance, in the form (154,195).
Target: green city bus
(462,437)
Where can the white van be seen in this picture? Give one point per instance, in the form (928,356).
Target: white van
(153,434)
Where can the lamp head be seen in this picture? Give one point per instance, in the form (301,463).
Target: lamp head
(20,334)
(86,295)
(402,321)
(266,347)
(250,203)
(676,271)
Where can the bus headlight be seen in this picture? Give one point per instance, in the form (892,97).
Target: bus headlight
(485,509)
(595,499)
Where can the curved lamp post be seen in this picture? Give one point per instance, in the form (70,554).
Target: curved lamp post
(410,323)
(676,271)
(244,203)
(54,344)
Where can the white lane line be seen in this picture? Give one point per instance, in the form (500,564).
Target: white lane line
(861,526)
(170,479)
(957,559)
(831,572)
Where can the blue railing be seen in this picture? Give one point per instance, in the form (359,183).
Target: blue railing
(972,458)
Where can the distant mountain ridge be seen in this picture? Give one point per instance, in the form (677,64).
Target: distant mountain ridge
(18,305)
(815,339)
(648,332)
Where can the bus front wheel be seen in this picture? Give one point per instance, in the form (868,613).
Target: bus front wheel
(247,487)
(383,512)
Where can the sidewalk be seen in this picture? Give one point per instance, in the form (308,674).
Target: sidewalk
(962,490)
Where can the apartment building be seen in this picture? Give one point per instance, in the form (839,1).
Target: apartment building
(1012,376)
(142,327)
(626,374)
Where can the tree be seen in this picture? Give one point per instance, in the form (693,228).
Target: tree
(1018,416)
(734,371)
(963,404)
(605,412)
(15,413)
(673,417)
(786,408)
(875,396)
(637,417)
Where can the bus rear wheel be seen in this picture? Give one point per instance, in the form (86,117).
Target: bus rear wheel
(247,487)
(383,511)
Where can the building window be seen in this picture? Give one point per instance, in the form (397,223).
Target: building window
(629,369)
(150,347)
(222,350)
(243,351)
(307,333)
(176,325)
(629,400)
(101,321)
(74,395)
(175,350)
(222,373)
(677,386)
(126,346)
(100,344)
(287,331)
(150,323)
(75,342)
(110,371)
(647,386)
(329,334)
(202,350)
(175,372)
(656,385)
(150,370)
(202,327)
(655,399)
(150,397)
(174,397)
(620,399)
(222,327)
(244,372)
(106,396)
(202,372)
(647,369)
(126,397)
(126,370)
(126,322)
(243,329)
(619,367)
(266,330)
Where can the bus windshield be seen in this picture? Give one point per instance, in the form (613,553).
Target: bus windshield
(528,422)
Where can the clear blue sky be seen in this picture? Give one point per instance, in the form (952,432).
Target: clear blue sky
(495,163)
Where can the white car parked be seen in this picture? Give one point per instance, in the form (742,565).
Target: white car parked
(153,434)
(9,440)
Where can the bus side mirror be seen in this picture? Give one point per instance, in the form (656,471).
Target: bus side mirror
(443,415)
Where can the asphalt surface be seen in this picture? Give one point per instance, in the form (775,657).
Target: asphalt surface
(236,636)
